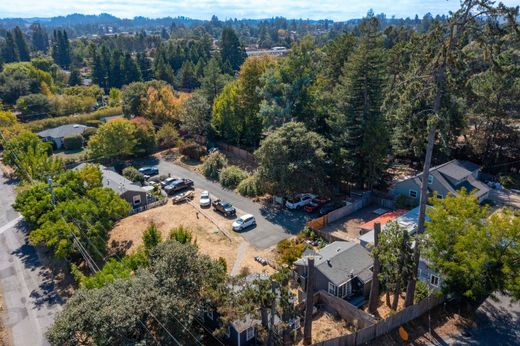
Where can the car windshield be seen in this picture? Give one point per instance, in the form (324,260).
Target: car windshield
(226,205)
(239,221)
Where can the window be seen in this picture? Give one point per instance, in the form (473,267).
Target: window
(440,196)
(434,280)
(412,193)
(136,199)
(333,289)
(250,333)
(210,315)
(430,179)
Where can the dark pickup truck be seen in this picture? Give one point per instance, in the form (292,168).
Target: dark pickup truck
(224,207)
(178,185)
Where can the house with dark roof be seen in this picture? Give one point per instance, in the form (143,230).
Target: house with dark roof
(342,268)
(133,193)
(448,178)
(57,134)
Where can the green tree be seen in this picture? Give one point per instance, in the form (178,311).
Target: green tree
(33,104)
(213,164)
(130,70)
(291,160)
(231,51)
(195,115)
(21,45)
(9,52)
(474,252)
(145,67)
(231,176)
(132,174)
(7,119)
(75,78)
(167,136)
(40,40)
(114,139)
(146,142)
(358,127)
(213,80)
(182,234)
(61,52)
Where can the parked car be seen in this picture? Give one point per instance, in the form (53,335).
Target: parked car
(261,260)
(149,171)
(315,205)
(178,185)
(167,181)
(224,207)
(299,201)
(331,206)
(205,199)
(244,222)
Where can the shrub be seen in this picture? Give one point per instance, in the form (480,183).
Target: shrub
(151,237)
(181,234)
(192,150)
(94,123)
(89,131)
(510,181)
(73,142)
(403,202)
(132,174)
(289,251)
(231,176)
(222,262)
(250,186)
(421,291)
(33,104)
(214,163)
(167,136)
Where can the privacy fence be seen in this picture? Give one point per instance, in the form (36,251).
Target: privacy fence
(383,327)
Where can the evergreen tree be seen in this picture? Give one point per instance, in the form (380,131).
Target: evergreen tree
(145,67)
(75,78)
(115,77)
(213,80)
(40,40)
(186,76)
(9,53)
(130,70)
(163,70)
(61,48)
(357,123)
(21,45)
(231,51)
(99,72)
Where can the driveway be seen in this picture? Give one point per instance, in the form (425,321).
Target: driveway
(273,225)
(505,197)
(30,300)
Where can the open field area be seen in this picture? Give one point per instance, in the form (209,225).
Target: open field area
(212,232)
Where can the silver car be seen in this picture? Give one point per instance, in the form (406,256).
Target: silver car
(205,199)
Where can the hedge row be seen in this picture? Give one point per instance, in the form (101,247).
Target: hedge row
(39,125)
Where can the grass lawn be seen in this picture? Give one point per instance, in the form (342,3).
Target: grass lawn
(70,154)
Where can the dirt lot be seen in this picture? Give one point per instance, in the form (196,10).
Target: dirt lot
(4,337)
(325,327)
(212,232)
(348,228)
(383,311)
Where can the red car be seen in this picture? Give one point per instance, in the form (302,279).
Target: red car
(315,205)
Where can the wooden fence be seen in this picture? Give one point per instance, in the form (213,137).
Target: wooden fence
(345,310)
(321,222)
(383,327)
(243,154)
(148,206)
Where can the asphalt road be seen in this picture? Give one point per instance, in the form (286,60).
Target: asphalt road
(273,225)
(30,301)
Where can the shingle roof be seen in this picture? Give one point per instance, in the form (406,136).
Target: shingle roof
(64,130)
(115,181)
(338,260)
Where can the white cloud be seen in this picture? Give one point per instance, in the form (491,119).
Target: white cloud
(204,9)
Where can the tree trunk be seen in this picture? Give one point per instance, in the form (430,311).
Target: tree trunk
(265,318)
(400,265)
(373,300)
(387,298)
(309,303)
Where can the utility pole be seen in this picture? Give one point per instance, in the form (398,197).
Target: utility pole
(374,286)
(309,303)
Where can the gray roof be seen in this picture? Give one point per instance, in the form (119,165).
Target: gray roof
(338,260)
(62,131)
(116,181)
(458,170)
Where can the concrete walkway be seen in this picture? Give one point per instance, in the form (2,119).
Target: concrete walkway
(241,252)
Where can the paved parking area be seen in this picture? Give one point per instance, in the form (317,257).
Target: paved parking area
(273,225)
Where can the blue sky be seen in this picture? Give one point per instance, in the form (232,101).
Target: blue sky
(203,9)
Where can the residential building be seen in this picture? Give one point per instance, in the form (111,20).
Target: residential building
(57,134)
(133,193)
(448,178)
(342,268)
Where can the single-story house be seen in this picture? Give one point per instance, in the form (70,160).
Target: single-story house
(133,193)
(445,179)
(57,134)
(342,268)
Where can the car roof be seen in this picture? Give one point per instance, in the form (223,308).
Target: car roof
(246,216)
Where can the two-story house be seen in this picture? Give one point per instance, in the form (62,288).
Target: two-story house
(448,178)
